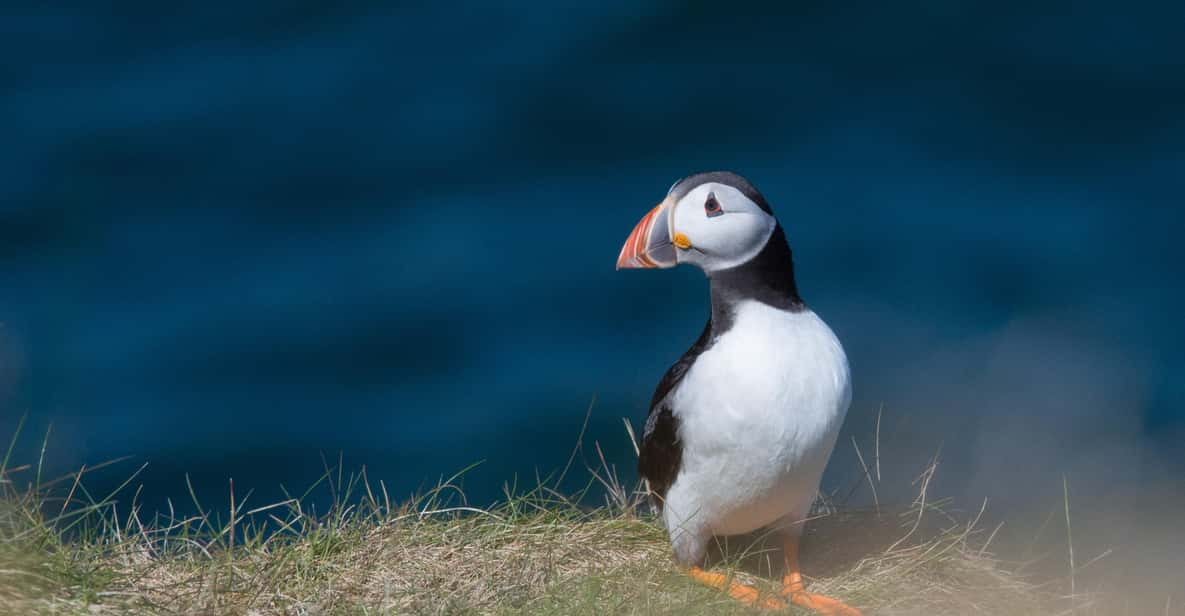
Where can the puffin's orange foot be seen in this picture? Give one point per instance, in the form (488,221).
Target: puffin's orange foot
(741,592)
(794,590)
(822,604)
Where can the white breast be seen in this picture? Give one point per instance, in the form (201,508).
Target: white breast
(758,414)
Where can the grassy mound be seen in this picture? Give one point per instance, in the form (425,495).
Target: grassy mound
(63,551)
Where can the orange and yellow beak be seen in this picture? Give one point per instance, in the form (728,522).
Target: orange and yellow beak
(651,243)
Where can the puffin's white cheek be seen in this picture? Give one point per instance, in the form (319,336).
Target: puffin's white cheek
(730,238)
(735,241)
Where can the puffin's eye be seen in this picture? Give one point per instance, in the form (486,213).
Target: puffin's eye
(712,206)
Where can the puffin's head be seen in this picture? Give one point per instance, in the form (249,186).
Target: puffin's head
(714,220)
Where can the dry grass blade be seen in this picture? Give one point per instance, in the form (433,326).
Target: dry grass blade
(871,484)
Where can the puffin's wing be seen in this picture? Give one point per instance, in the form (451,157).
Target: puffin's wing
(661,453)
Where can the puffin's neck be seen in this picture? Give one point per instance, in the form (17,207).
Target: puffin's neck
(767,278)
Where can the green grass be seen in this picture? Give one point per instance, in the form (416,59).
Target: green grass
(66,551)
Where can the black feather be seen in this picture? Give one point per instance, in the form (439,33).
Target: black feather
(661,453)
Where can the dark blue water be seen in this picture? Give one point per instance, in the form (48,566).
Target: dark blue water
(233,237)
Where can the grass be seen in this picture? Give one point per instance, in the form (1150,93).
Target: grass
(66,551)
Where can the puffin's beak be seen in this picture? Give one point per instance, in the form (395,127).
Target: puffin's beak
(650,245)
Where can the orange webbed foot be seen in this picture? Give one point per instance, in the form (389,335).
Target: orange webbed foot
(744,593)
(820,603)
(794,590)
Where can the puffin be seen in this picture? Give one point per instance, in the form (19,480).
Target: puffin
(741,427)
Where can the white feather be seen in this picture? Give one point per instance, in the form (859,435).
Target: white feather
(758,415)
(725,241)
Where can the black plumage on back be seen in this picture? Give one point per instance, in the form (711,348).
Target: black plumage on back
(661,453)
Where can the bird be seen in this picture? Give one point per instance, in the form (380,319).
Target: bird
(741,427)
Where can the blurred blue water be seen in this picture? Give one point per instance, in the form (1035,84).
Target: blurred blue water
(235,236)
